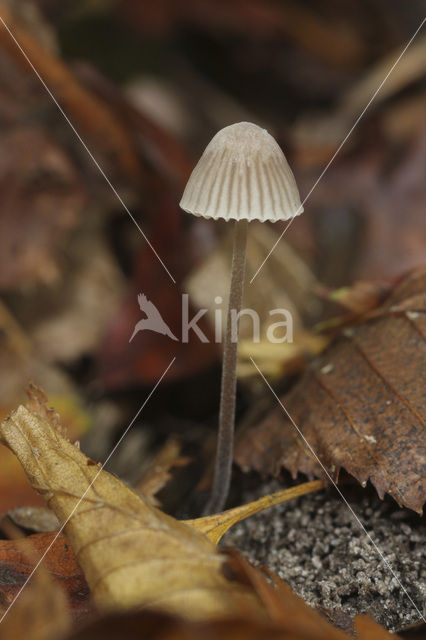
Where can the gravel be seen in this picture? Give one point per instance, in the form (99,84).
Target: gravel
(316,545)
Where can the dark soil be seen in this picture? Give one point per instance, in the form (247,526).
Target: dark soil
(316,545)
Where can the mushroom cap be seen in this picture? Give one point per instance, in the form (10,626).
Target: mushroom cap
(242,175)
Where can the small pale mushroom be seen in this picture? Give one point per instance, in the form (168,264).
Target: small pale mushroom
(241,176)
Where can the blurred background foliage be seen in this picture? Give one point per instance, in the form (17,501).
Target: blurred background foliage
(146,84)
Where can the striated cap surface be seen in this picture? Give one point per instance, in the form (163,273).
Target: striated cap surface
(242,175)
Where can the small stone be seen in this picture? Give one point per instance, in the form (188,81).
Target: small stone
(328,368)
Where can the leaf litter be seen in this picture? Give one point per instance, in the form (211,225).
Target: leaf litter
(382,359)
(378,179)
(132,554)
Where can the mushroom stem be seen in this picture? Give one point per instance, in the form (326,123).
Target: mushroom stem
(225,441)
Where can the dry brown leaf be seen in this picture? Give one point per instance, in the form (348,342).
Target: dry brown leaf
(41,611)
(290,618)
(358,298)
(132,554)
(159,472)
(368,629)
(59,561)
(295,618)
(361,405)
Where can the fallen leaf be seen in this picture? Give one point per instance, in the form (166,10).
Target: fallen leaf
(355,301)
(290,618)
(160,468)
(157,626)
(132,554)
(14,488)
(361,405)
(289,611)
(60,562)
(358,298)
(368,629)
(40,612)
(216,525)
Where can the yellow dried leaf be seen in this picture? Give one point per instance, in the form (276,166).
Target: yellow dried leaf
(215,526)
(132,554)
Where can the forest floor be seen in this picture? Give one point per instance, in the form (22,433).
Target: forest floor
(317,546)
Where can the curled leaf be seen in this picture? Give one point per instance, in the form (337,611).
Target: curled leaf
(131,553)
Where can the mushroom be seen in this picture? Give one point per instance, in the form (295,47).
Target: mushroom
(241,176)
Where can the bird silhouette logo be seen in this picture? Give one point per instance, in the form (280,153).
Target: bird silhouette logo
(153,320)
